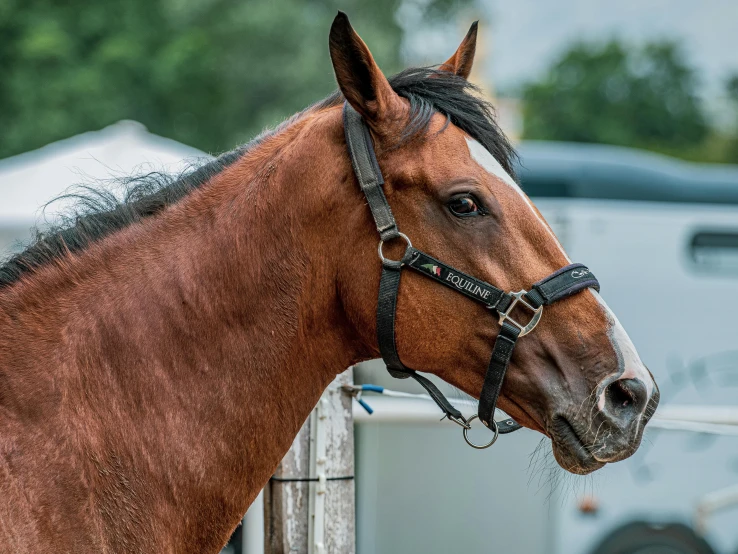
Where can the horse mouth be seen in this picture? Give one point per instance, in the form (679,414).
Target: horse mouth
(571,453)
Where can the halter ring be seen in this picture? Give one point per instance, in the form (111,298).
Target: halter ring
(481,446)
(385,261)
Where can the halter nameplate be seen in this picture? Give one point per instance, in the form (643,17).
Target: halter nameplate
(451,277)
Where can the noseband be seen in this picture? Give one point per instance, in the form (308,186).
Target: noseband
(560,284)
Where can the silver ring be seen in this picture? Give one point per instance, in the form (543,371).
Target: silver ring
(480,446)
(381,243)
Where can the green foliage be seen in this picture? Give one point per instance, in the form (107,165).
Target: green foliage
(209,73)
(643,97)
(731,143)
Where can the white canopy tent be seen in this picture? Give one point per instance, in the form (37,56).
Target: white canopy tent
(30,180)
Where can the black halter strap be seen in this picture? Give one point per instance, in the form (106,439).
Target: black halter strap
(564,282)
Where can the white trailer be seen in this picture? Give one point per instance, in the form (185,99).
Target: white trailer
(662,237)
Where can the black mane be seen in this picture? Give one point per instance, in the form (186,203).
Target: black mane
(98,213)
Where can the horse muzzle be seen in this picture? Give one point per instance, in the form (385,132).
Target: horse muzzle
(585,439)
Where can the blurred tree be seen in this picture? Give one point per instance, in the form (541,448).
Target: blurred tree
(209,73)
(731,86)
(609,93)
(731,148)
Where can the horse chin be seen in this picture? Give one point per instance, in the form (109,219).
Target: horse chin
(569,450)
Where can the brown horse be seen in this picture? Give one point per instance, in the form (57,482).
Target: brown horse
(158,357)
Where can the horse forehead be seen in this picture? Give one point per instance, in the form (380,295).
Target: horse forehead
(489,163)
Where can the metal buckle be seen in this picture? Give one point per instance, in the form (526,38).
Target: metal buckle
(524,329)
(381,244)
(481,446)
(462,422)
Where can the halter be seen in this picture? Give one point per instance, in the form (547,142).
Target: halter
(560,284)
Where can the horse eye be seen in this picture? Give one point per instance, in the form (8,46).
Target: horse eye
(464,205)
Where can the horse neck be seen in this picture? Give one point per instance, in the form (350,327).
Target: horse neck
(195,344)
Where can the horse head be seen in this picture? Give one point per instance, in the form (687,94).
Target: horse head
(577,378)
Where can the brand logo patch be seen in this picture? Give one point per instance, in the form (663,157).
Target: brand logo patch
(430,268)
(579,273)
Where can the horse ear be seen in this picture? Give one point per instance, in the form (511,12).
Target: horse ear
(361,81)
(461,62)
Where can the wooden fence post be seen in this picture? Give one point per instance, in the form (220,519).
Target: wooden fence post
(317,516)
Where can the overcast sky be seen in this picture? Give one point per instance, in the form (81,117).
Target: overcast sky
(521,37)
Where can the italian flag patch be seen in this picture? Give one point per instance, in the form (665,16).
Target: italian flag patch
(434,269)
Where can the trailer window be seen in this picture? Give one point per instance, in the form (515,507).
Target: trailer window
(716,250)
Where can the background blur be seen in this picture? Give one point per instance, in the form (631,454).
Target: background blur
(656,74)
(626,117)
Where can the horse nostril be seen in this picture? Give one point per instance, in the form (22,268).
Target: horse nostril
(626,395)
